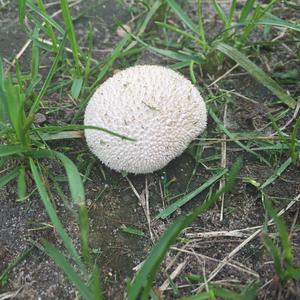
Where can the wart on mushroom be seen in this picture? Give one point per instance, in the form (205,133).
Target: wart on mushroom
(154,105)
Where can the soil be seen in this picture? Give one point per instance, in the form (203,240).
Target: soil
(117,252)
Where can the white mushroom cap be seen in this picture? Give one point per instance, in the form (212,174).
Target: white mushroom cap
(154,105)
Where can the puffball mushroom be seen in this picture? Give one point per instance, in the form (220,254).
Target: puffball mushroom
(156,106)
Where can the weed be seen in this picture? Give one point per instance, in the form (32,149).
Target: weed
(284,265)
(234,33)
(141,286)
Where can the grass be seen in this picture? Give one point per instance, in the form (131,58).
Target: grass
(182,201)
(142,284)
(282,254)
(167,29)
(4,277)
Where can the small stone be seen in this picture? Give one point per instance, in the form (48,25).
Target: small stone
(39,118)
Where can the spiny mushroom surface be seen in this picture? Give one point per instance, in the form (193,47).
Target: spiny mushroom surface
(154,105)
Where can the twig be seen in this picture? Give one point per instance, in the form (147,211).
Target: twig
(293,224)
(224,75)
(10,295)
(162,194)
(174,259)
(243,97)
(204,277)
(20,53)
(206,235)
(224,282)
(265,284)
(173,275)
(144,201)
(226,259)
(235,264)
(281,35)
(148,208)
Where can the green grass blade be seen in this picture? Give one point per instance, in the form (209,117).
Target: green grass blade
(4,117)
(173,54)
(77,192)
(294,273)
(220,12)
(53,216)
(256,15)
(282,137)
(35,56)
(14,101)
(177,30)
(75,182)
(282,231)
(203,296)
(19,113)
(32,85)
(151,13)
(294,144)
(60,129)
(7,150)
(174,206)
(70,31)
(43,45)
(22,12)
(192,73)
(145,276)
(74,179)
(248,293)
(257,73)
(2,77)
(133,231)
(96,284)
(18,77)
(225,294)
(44,15)
(50,31)
(200,24)
(271,20)
(231,13)
(21,184)
(62,263)
(76,87)
(246,10)
(277,173)
(5,179)
(13,264)
(169,53)
(36,103)
(182,15)
(269,244)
